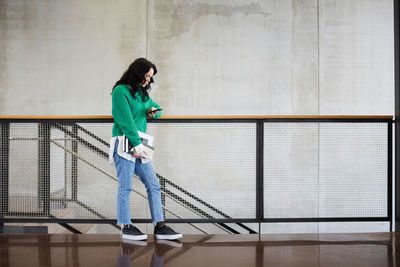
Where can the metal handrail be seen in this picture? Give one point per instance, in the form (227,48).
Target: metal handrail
(177,117)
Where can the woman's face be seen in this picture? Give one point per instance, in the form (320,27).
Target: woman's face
(147,77)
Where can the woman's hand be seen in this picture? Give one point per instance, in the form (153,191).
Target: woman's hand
(150,113)
(139,155)
(138,151)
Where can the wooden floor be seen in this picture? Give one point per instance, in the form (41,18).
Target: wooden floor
(370,249)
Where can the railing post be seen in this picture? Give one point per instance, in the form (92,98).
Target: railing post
(162,185)
(260,172)
(390,175)
(397,112)
(44,167)
(4,159)
(65,194)
(74,164)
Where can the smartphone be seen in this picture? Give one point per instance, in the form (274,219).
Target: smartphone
(154,110)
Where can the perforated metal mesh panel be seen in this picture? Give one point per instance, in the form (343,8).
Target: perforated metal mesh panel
(325,170)
(23,169)
(213,161)
(353,170)
(290,170)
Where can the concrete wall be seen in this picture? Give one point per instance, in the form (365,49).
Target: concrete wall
(63,57)
(214,57)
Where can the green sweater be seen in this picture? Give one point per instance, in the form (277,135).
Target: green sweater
(130,113)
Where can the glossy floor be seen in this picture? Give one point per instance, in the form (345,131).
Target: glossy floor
(372,249)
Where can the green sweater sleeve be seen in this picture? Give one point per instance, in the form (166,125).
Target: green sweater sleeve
(123,117)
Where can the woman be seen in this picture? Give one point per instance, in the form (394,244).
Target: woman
(131,107)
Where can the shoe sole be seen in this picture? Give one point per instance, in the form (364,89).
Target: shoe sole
(169,237)
(134,237)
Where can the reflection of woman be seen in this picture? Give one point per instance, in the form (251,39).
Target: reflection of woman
(130,106)
(161,248)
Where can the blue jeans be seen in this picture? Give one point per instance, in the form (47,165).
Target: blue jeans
(145,171)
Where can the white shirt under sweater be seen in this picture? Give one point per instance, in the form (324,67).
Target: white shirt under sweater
(120,150)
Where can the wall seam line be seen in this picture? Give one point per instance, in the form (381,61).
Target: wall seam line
(147,29)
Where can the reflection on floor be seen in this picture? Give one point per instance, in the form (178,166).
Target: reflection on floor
(367,249)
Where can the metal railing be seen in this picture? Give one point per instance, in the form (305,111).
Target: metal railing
(269,143)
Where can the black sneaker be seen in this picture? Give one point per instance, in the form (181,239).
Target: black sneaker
(166,233)
(132,233)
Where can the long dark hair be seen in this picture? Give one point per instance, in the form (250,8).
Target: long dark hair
(134,76)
